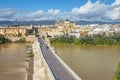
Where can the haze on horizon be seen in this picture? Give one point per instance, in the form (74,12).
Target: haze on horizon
(36,10)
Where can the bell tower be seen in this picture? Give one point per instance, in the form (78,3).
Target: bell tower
(57,23)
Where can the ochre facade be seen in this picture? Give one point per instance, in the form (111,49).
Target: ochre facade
(60,28)
(12,31)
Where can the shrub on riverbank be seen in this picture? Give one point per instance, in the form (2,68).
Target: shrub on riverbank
(88,40)
(30,54)
(3,39)
(117,74)
(21,40)
(63,39)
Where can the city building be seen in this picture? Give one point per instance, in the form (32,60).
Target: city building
(61,28)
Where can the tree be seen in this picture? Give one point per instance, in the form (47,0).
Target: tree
(76,40)
(117,74)
(3,39)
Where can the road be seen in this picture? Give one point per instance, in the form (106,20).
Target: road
(58,69)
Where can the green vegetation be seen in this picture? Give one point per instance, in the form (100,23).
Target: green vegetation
(88,40)
(21,40)
(30,54)
(117,74)
(3,39)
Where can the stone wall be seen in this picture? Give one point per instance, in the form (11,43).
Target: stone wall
(28,39)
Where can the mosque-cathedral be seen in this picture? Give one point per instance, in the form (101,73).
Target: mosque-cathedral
(60,28)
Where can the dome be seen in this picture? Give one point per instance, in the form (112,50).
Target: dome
(66,20)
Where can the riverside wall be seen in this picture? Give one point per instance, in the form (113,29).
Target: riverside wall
(28,39)
(41,68)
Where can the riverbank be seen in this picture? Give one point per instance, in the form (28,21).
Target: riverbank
(15,39)
(22,39)
(80,45)
(87,40)
(3,39)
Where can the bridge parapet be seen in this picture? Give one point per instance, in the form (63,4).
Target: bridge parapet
(48,66)
(64,64)
(41,68)
(69,69)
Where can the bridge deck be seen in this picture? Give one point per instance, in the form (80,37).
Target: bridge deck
(58,69)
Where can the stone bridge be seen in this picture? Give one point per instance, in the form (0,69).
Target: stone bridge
(48,66)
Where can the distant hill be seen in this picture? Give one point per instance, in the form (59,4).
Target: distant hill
(24,23)
(50,22)
(95,22)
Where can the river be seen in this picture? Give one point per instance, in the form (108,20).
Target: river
(13,61)
(90,62)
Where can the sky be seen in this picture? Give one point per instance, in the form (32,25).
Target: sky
(36,10)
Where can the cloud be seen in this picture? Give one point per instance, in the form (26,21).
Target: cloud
(113,14)
(88,11)
(36,14)
(98,11)
(54,12)
(89,7)
(7,13)
(42,15)
(117,2)
(114,11)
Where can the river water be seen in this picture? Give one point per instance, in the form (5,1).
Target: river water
(90,62)
(13,61)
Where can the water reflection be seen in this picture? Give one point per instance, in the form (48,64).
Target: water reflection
(90,62)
